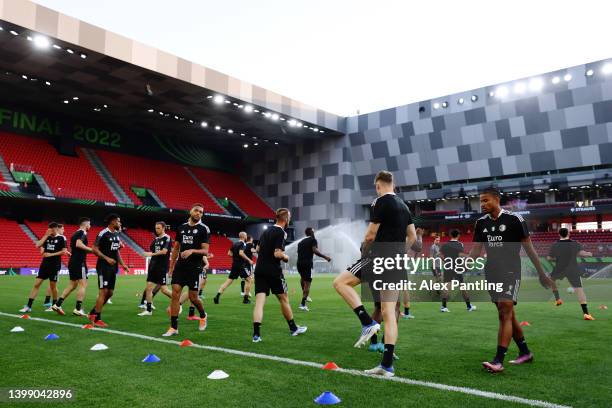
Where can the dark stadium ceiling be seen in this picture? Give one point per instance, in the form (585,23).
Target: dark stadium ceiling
(47,75)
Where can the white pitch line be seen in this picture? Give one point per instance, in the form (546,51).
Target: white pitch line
(443,387)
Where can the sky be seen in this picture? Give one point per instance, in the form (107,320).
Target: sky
(345,56)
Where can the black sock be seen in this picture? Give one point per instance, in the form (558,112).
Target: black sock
(374,339)
(54,301)
(149,306)
(501,353)
(242,286)
(556,293)
(468,304)
(93,311)
(256,326)
(191,310)
(443,302)
(98,316)
(155,290)
(246,297)
(79,304)
(304,300)
(47,299)
(144,297)
(200,292)
(59,302)
(218,295)
(387,360)
(363,316)
(584,307)
(406,311)
(201,310)
(522,345)
(292,325)
(382,339)
(174,322)
(30,301)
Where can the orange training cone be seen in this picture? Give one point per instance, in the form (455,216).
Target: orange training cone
(87,326)
(186,343)
(525,324)
(25,316)
(331,366)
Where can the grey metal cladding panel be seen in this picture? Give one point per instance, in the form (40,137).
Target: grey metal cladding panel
(362,123)
(454,120)
(356,139)
(365,182)
(603,111)
(380,149)
(567,158)
(435,140)
(564,99)
(542,161)
(407,129)
(527,106)
(438,123)
(330,169)
(405,145)
(392,164)
(458,171)
(536,123)
(598,134)
(426,175)
(387,117)
(464,153)
(605,152)
(556,119)
(348,181)
(575,137)
(579,116)
(503,129)
(513,146)
(495,167)
(475,116)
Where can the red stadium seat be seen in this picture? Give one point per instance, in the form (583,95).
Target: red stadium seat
(66,176)
(170,181)
(231,186)
(18,250)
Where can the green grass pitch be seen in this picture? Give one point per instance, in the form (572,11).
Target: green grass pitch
(573,363)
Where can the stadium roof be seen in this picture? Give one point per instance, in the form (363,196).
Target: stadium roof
(48,59)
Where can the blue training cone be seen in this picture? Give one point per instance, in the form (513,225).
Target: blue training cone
(327,398)
(52,336)
(151,358)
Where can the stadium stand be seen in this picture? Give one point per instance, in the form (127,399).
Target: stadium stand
(231,186)
(18,250)
(59,171)
(172,184)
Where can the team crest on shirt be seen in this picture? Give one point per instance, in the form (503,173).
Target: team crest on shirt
(502,228)
(485,230)
(195,230)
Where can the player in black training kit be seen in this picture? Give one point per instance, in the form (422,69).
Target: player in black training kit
(307,249)
(186,263)
(250,252)
(269,274)
(159,252)
(53,246)
(452,250)
(77,269)
(106,248)
(241,268)
(502,234)
(564,253)
(390,223)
